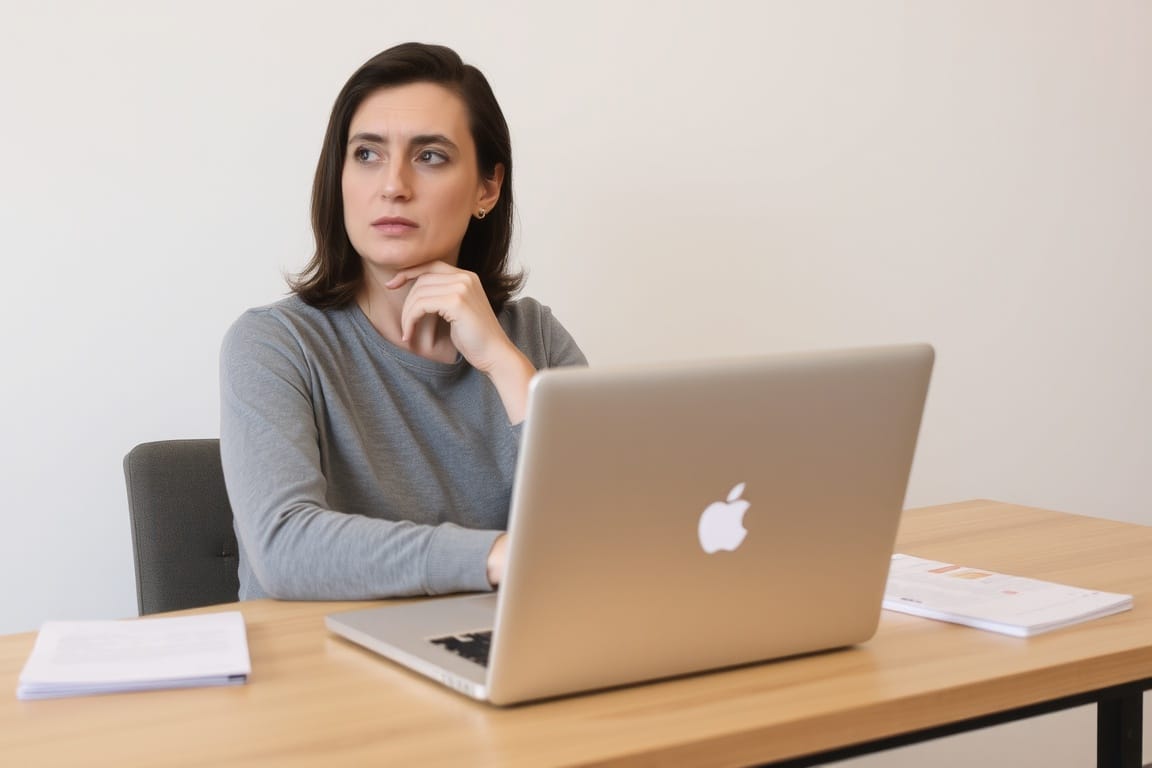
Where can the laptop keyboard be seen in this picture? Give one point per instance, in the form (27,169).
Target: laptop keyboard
(473,646)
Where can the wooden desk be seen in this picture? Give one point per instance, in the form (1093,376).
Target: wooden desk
(314,699)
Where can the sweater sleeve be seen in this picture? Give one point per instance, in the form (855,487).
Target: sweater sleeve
(295,546)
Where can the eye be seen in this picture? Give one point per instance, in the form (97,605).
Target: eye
(431,157)
(365,155)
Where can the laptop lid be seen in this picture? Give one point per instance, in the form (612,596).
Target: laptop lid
(678,518)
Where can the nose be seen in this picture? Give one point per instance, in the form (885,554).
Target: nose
(394,182)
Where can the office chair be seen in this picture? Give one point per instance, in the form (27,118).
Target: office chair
(182,539)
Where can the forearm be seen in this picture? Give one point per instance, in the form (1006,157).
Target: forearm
(326,555)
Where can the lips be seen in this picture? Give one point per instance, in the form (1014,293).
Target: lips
(393,225)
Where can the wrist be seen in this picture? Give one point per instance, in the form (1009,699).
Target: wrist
(496,560)
(511,374)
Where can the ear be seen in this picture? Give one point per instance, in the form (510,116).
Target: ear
(490,188)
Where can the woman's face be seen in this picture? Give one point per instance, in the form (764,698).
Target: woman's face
(410,182)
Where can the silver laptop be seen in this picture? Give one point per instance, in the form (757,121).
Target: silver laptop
(679,518)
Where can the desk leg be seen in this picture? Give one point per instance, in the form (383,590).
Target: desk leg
(1119,729)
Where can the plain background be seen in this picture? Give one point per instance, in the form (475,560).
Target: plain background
(694,179)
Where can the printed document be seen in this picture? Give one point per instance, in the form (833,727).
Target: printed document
(79,658)
(994,601)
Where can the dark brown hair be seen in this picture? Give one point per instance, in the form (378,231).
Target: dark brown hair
(334,274)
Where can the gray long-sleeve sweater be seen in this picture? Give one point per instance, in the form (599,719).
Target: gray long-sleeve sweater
(358,470)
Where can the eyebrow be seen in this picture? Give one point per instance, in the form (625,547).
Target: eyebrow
(418,140)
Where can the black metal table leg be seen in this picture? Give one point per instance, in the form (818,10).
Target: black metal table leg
(1119,729)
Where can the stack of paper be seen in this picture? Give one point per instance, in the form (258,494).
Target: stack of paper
(994,601)
(79,658)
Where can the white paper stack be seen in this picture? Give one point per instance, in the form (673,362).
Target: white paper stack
(1012,605)
(80,658)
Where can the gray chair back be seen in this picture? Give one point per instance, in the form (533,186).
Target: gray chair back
(182,538)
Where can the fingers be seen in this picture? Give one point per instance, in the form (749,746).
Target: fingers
(437,288)
(451,294)
(449,301)
(456,296)
(405,276)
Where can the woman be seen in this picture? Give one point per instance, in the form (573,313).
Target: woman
(370,421)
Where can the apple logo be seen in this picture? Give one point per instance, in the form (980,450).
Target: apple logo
(722,523)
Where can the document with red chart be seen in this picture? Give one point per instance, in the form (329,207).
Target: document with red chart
(1012,605)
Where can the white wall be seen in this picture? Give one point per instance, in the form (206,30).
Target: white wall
(693,178)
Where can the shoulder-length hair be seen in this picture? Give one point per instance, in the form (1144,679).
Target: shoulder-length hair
(335,274)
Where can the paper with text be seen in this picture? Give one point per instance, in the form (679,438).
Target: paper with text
(75,658)
(994,601)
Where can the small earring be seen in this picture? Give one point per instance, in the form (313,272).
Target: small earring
(481,213)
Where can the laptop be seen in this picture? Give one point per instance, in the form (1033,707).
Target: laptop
(672,519)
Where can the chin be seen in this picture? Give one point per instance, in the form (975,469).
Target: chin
(391,260)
